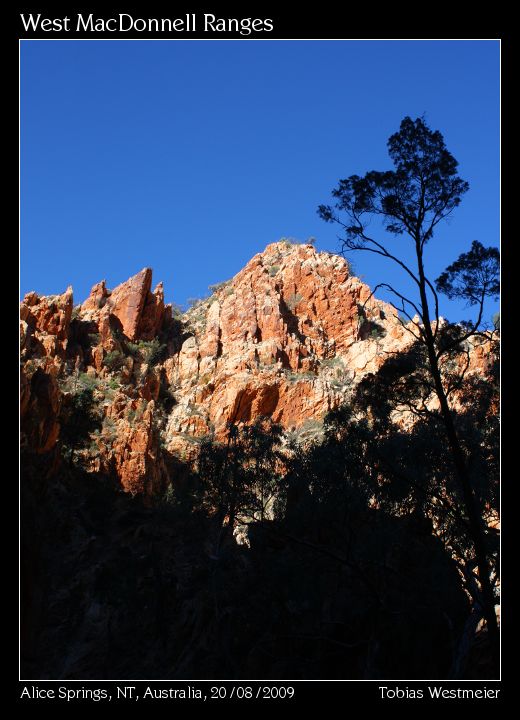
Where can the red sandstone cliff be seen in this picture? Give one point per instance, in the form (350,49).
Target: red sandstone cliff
(286,337)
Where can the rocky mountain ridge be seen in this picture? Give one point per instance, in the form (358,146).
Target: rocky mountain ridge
(286,337)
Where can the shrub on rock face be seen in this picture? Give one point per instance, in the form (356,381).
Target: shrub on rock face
(194,302)
(293,300)
(79,418)
(149,351)
(177,310)
(85,381)
(368,329)
(114,360)
(153,351)
(351,267)
(218,286)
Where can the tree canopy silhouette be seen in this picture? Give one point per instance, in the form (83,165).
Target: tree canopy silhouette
(422,190)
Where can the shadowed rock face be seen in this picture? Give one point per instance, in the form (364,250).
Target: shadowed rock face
(286,338)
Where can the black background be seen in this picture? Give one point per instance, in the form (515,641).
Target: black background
(320,22)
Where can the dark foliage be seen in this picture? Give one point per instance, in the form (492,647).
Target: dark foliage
(79,417)
(357,563)
(422,190)
(114,360)
(410,201)
(474,275)
(116,588)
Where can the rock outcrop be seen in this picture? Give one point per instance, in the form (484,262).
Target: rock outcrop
(45,323)
(287,337)
(138,313)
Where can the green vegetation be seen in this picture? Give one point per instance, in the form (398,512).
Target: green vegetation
(136,413)
(218,286)
(86,381)
(114,360)
(293,300)
(239,478)
(167,396)
(177,310)
(193,410)
(109,429)
(376,331)
(296,375)
(310,431)
(132,348)
(194,302)
(169,497)
(150,352)
(30,366)
(333,362)
(153,351)
(192,439)
(340,381)
(351,268)
(80,418)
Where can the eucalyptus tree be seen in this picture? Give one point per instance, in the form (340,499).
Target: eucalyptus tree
(410,201)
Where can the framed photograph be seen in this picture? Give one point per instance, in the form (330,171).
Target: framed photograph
(259,362)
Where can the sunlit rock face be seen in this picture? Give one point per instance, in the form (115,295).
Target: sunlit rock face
(283,338)
(286,337)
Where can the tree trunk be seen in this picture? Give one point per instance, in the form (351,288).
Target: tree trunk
(474,519)
(461,653)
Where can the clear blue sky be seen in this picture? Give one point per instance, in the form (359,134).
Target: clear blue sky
(192,156)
